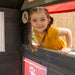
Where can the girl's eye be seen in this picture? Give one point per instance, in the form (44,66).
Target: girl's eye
(34,20)
(42,19)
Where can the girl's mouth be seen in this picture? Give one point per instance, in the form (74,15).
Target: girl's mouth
(40,27)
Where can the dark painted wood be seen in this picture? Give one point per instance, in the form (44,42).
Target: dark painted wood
(10,60)
(35,3)
(14,4)
(55,2)
(56,63)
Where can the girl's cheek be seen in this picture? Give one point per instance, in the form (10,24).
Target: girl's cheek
(34,24)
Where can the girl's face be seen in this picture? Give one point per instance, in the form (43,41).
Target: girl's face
(39,21)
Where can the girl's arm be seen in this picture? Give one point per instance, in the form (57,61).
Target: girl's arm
(67,33)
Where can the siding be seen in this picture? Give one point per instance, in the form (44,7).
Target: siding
(10,60)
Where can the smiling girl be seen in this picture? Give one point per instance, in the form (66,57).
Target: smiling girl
(47,35)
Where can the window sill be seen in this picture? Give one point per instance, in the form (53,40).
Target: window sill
(72,54)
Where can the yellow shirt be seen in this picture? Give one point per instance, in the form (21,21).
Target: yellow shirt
(52,41)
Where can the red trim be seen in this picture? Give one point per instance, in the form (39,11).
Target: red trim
(62,11)
(61,7)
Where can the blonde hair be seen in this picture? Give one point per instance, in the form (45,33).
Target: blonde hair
(41,43)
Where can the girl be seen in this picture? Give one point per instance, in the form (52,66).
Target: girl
(47,35)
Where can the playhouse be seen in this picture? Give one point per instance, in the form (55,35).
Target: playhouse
(16,57)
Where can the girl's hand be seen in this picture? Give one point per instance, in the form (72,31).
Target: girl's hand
(65,50)
(36,45)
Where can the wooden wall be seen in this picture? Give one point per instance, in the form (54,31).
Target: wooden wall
(10,60)
(56,63)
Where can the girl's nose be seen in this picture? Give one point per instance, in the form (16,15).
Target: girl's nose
(39,23)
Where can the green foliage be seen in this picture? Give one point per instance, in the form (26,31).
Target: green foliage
(73,49)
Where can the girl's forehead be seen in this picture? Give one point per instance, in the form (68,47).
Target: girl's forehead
(39,11)
(38,14)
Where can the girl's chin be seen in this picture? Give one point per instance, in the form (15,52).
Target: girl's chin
(40,31)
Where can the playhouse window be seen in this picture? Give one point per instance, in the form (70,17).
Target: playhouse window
(2,39)
(64,16)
